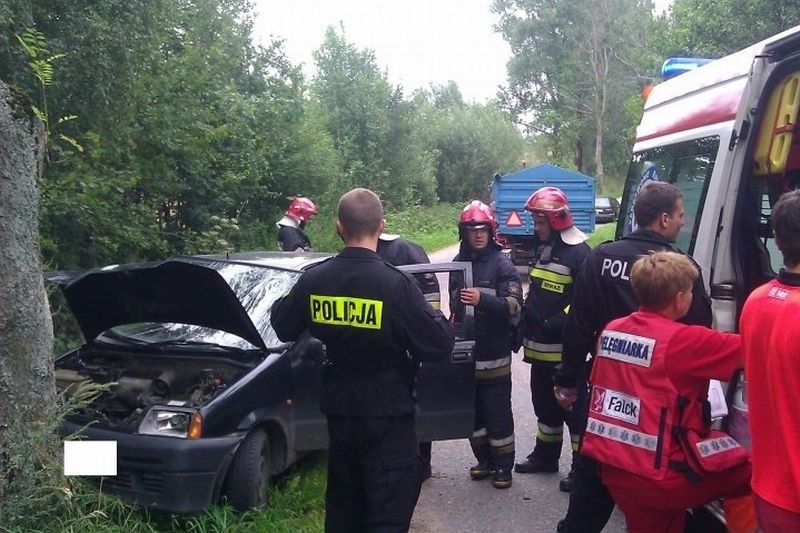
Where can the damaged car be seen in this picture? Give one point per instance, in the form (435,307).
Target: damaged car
(204,401)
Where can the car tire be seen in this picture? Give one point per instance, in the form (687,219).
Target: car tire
(248,479)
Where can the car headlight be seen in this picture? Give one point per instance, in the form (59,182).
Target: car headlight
(168,422)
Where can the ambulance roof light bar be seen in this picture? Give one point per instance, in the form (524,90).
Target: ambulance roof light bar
(678,65)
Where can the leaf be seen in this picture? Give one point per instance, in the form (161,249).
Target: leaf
(71,141)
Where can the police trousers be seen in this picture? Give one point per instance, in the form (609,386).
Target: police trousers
(493,439)
(374,474)
(590,502)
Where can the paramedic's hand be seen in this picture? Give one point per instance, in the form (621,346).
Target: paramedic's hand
(565,397)
(470,296)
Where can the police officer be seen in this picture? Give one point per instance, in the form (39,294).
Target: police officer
(370,316)
(398,251)
(603,293)
(290,228)
(560,252)
(497,298)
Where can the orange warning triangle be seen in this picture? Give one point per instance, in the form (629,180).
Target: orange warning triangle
(513,219)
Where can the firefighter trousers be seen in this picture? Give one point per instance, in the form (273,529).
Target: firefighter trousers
(493,439)
(551,417)
(374,474)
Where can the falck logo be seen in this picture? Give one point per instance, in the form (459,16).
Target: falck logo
(615,404)
(598,398)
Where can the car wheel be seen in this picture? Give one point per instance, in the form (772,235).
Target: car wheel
(247,483)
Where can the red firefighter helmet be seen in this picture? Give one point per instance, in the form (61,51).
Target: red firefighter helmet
(302,209)
(477,214)
(551,202)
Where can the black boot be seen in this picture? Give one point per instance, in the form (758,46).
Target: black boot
(501,478)
(543,458)
(480,471)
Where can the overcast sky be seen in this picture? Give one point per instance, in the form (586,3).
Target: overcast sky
(419,42)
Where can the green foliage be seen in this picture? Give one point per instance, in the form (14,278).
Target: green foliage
(714,28)
(602,233)
(573,65)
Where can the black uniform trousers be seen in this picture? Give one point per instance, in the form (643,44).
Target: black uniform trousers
(493,443)
(590,503)
(549,413)
(374,474)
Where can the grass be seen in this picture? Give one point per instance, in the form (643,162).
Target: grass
(602,233)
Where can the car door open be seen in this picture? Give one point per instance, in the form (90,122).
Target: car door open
(446,390)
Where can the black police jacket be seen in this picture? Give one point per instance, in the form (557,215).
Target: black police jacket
(400,251)
(498,310)
(603,292)
(371,317)
(291,238)
(552,282)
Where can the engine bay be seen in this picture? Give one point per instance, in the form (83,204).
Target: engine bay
(138,382)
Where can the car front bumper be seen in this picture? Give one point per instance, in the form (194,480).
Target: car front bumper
(166,473)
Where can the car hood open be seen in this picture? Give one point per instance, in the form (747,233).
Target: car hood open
(176,291)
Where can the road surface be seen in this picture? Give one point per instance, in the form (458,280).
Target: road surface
(451,501)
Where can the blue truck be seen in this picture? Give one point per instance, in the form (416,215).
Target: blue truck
(511,191)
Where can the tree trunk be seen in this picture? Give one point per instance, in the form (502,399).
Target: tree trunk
(27,387)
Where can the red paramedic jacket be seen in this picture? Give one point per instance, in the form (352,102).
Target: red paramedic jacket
(644,363)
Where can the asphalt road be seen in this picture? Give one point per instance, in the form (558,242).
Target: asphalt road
(451,501)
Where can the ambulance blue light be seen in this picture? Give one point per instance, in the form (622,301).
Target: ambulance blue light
(678,65)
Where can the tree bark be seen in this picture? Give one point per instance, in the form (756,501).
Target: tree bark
(27,387)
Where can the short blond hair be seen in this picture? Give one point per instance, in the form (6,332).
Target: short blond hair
(658,277)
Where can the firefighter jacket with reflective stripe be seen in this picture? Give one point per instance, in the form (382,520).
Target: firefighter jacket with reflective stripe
(552,279)
(498,311)
(603,292)
(370,316)
(644,364)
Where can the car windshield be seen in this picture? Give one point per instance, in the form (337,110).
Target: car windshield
(257,289)
(602,202)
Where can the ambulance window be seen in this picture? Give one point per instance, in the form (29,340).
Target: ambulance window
(688,166)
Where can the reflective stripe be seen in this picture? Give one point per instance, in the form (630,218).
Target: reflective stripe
(495,363)
(555,277)
(434,300)
(539,351)
(502,442)
(502,450)
(554,267)
(622,435)
(550,430)
(544,437)
(479,433)
(493,372)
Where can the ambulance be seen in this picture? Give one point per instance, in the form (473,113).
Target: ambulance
(725,133)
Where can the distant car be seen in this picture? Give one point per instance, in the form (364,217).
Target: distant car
(606,209)
(204,400)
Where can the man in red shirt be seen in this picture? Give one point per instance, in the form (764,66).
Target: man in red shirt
(649,419)
(769,325)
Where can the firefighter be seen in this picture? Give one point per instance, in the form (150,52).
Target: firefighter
(398,251)
(602,293)
(497,299)
(560,252)
(290,227)
(649,416)
(376,327)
